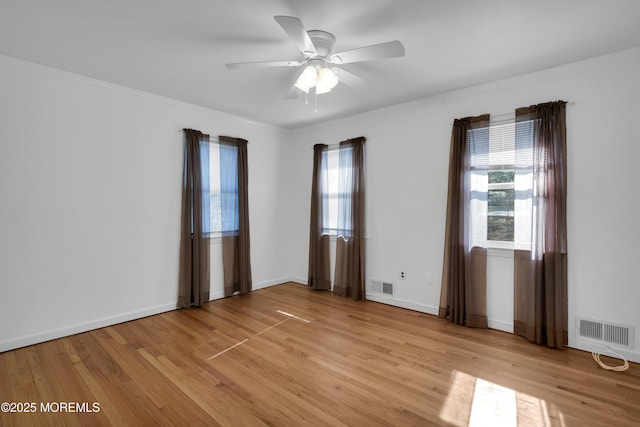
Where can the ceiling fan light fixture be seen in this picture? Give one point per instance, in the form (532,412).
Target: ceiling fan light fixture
(307,79)
(327,80)
(316,47)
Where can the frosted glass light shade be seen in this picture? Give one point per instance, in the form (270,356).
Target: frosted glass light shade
(326,81)
(307,79)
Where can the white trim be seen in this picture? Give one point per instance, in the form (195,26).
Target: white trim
(270,283)
(505,251)
(500,326)
(585,345)
(500,185)
(104,322)
(255,287)
(409,305)
(52,334)
(216,295)
(299,280)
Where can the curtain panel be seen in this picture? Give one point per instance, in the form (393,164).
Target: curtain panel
(540,271)
(234,184)
(463,291)
(193,285)
(350,242)
(319,271)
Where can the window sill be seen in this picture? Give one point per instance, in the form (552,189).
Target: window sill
(216,237)
(334,237)
(500,251)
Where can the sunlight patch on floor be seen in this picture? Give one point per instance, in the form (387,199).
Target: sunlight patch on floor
(289,316)
(293,316)
(475,402)
(228,348)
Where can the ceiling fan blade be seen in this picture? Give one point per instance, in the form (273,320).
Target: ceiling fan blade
(293,92)
(349,78)
(392,49)
(296,31)
(263,64)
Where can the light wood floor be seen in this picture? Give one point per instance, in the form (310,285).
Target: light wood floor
(249,361)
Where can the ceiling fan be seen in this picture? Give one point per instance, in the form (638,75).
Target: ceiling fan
(322,70)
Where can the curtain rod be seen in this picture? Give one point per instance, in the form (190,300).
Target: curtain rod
(211,138)
(506,117)
(330,147)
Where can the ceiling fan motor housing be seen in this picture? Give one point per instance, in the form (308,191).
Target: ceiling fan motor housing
(323,42)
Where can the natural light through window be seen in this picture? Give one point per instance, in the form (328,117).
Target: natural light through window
(331,196)
(501,190)
(476,402)
(501,185)
(215,200)
(220,190)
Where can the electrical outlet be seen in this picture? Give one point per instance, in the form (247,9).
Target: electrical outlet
(429,279)
(403,275)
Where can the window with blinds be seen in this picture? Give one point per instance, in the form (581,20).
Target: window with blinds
(332,196)
(500,183)
(501,192)
(220,193)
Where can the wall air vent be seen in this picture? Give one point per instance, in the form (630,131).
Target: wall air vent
(380,287)
(387,288)
(590,329)
(606,332)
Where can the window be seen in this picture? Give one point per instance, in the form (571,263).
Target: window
(220,193)
(337,166)
(494,183)
(501,189)
(331,194)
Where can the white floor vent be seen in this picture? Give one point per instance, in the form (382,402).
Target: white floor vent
(381,287)
(608,332)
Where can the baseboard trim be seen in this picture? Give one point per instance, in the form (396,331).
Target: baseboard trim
(299,280)
(410,305)
(216,295)
(78,328)
(256,286)
(586,345)
(500,326)
(270,283)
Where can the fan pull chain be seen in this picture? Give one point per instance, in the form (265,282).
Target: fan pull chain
(306,98)
(316,102)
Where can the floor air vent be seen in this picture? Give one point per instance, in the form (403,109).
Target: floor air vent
(381,287)
(607,332)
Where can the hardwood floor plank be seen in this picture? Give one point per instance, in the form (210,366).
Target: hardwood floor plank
(287,355)
(146,384)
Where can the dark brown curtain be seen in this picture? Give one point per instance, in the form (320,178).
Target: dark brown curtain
(193,287)
(463,293)
(236,249)
(350,242)
(540,273)
(319,273)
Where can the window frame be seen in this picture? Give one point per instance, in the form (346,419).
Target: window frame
(211,233)
(331,207)
(497,186)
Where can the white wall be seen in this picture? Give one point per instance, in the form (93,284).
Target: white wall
(407,163)
(90,195)
(90,188)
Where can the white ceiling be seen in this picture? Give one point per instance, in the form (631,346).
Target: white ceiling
(178,48)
